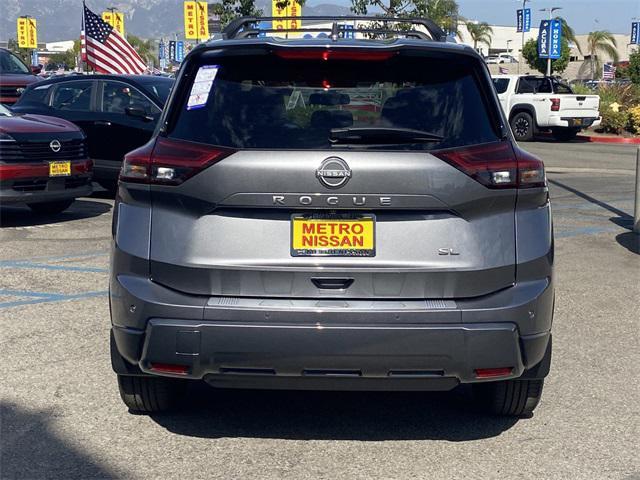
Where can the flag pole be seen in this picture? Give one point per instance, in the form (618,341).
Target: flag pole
(83,42)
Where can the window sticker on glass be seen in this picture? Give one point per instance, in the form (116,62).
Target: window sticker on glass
(202,86)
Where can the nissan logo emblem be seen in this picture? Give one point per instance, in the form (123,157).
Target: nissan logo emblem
(55,145)
(333,172)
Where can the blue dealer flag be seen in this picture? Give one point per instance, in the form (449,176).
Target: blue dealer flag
(519,21)
(635,38)
(179,51)
(527,20)
(550,39)
(543,39)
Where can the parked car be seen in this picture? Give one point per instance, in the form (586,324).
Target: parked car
(117,113)
(276,232)
(43,162)
(15,76)
(537,103)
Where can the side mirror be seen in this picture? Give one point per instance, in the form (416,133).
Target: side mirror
(138,112)
(36,69)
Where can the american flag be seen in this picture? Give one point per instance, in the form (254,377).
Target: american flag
(608,71)
(105,49)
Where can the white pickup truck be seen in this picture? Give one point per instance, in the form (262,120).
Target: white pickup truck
(535,103)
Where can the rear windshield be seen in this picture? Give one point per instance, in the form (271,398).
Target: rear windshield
(266,102)
(501,84)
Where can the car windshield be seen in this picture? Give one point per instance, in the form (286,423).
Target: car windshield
(270,102)
(10,64)
(4,111)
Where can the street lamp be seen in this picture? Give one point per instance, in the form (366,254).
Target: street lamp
(550,10)
(524,6)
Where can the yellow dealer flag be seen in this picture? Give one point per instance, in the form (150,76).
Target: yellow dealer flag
(196,20)
(27,33)
(279,12)
(294,10)
(115,19)
(190,18)
(202,21)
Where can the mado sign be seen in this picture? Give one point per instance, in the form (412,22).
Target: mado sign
(550,39)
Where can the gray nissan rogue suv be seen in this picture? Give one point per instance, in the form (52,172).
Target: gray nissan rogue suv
(334,213)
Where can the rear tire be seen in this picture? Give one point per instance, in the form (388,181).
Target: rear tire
(522,126)
(509,397)
(564,134)
(146,394)
(50,208)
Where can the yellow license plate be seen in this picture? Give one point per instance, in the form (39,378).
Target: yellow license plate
(577,121)
(59,169)
(335,236)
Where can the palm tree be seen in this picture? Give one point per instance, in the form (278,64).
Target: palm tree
(480,33)
(569,34)
(601,41)
(145,48)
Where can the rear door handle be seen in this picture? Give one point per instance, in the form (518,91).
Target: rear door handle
(332,283)
(102,123)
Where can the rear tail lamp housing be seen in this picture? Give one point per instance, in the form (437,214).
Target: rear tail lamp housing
(497,165)
(555,104)
(169,162)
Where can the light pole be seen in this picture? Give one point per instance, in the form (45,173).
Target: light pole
(524,6)
(550,10)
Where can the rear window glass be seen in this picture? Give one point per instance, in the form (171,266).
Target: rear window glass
(266,102)
(501,84)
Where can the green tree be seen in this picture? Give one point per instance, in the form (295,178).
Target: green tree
(23,53)
(480,33)
(443,12)
(65,60)
(634,67)
(230,9)
(145,48)
(601,42)
(530,54)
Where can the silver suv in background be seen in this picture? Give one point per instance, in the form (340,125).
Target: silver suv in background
(332,214)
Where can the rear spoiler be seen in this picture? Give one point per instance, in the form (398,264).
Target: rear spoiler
(250,27)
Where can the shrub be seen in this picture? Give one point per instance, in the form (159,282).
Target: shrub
(580,89)
(612,121)
(634,119)
(625,95)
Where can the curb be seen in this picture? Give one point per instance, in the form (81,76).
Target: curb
(590,139)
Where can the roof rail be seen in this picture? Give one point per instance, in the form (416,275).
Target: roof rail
(245,27)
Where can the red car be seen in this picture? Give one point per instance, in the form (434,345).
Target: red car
(43,162)
(15,76)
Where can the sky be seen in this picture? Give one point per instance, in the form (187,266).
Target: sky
(583,15)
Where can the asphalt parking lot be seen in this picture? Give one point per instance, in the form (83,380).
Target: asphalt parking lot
(62,416)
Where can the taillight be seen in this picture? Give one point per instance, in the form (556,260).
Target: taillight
(496,165)
(493,372)
(326,54)
(555,104)
(169,161)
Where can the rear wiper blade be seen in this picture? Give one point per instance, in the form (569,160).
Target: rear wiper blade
(381,135)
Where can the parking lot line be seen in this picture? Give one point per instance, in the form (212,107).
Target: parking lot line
(22,264)
(44,297)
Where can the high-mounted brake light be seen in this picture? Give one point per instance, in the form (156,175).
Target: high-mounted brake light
(555,104)
(497,165)
(325,54)
(169,162)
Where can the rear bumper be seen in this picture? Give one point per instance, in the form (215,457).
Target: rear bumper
(570,122)
(52,191)
(320,344)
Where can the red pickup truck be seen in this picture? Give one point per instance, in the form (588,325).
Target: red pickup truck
(14,77)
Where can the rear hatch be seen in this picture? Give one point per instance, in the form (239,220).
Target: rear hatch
(308,172)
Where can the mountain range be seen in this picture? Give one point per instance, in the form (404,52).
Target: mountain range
(151,19)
